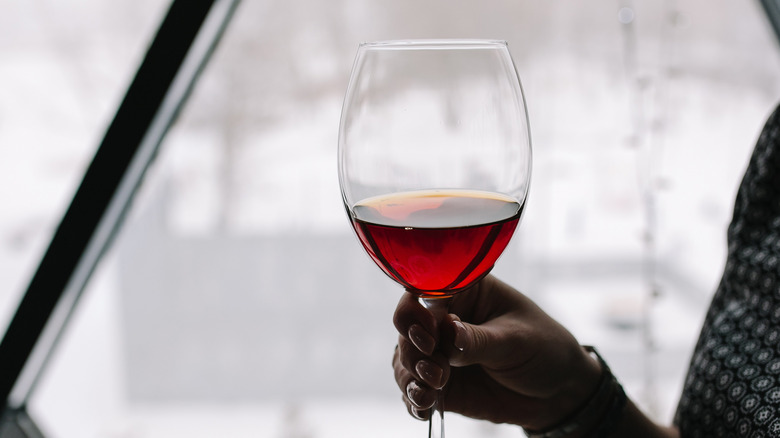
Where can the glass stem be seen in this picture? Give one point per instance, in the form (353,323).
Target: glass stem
(439,307)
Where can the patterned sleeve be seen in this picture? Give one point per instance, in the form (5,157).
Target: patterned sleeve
(733,384)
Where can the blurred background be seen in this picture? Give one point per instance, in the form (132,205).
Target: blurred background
(236,301)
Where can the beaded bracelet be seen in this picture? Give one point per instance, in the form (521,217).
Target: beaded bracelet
(609,393)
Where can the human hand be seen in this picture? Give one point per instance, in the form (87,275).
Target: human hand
(500,359)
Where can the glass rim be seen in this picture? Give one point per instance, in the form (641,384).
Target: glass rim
(433,43)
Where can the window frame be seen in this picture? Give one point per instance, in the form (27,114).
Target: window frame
(181,48)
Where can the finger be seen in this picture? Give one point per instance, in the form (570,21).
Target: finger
(415,394)
(416,323)
(472,344)
(404,360)
(402,375)
(420,395)
(409,355)
(433,370)
(418,413)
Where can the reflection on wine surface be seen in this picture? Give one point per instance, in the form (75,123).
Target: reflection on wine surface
(436,242)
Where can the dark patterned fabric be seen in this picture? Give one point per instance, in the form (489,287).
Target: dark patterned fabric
(733,384)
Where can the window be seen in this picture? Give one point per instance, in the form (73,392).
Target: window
(236,302)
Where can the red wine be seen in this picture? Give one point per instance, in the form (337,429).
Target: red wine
(436,242)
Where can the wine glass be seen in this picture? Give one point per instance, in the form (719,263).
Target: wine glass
(434,163)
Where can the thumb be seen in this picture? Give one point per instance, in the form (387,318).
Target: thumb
(471,344)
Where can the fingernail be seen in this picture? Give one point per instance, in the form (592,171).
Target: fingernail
(418,413)
(429,372)
(421,339)
(460,335)
(413,392)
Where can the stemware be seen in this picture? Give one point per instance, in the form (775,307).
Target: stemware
(434,163)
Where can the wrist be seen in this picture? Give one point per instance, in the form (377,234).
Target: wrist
(578,376)
(598,414)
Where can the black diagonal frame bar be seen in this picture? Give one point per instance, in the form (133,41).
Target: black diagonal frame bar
(772,9)
(178,53)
